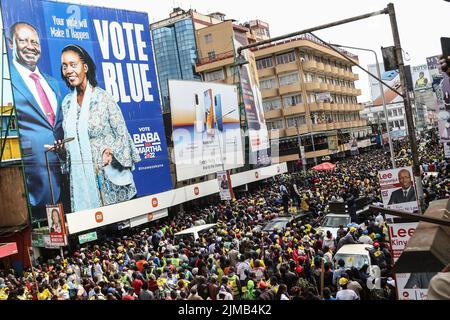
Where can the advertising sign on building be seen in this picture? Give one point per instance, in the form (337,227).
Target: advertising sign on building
(225,188)
(252,99)
(87,237)
(119,142)
(206,128)
(56,225)
(398,189)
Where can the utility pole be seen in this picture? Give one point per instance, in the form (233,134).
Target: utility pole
(407,102)
(301,149)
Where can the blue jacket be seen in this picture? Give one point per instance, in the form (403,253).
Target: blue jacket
(34,132)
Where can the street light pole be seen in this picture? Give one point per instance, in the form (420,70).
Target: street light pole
(407,102)
(300,147)
(391,148)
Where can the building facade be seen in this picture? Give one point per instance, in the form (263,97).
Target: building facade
(175,48)
(9,136)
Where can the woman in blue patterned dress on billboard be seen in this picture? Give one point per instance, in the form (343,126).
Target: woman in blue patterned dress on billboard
(101,157)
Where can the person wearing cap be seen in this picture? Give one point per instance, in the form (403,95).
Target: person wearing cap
(344,293)
(364,238)
(348,239)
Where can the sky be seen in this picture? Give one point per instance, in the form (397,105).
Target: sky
(420,23)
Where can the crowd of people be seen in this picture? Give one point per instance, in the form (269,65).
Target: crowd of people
(236,260)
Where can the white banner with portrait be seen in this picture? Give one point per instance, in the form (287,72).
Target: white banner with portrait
(398,189)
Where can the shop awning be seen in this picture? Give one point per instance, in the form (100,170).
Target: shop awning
(7,249)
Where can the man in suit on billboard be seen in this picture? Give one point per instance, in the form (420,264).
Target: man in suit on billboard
(37,100)
(406,193)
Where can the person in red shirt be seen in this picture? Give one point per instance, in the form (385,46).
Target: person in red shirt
(136,283)
(129,295)
(140,264)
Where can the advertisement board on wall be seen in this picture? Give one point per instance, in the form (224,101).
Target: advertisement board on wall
(119,142)
(206,128)
(398,189)
(324,97)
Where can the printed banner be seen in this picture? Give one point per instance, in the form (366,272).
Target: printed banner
(413,286)
(421,77)
(206,128)
(441,87)
(119,142)
(324,97)
(225,188)
(399,235)
(398,189)
(257,128)
(56,225)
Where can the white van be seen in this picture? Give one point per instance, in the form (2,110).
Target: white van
(195,232)
(354,255)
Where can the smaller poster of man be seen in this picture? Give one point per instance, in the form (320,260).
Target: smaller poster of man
(225,189)
(398,189)
(56,225)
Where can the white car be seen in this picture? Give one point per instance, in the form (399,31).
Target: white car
(332,221)
(354,255)
(195,232)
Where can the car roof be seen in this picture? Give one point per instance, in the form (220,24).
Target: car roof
(196,229)
(337,215)
(354,249)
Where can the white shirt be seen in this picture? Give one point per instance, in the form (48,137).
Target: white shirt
(346,294)
(25,74)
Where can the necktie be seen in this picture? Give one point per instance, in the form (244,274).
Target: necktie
(44,99)
(405,193)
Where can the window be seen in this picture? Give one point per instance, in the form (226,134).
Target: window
(321,79)
(264,63)
(271,105)
(211,55)
(12,123)
(402,123)
(286,57)
(293,122)
(311,98)
(309,77)
(215,75)
(208,38)
(288,79)
(394,112)
(400,112)
(292,100)
(390,113)
(278,124)
(268,83)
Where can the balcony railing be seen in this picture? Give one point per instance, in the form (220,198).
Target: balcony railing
(218,57)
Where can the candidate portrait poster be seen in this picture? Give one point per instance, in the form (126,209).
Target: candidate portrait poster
(56,225)
(123,129)
(398,189)
(225,187)
(206,128)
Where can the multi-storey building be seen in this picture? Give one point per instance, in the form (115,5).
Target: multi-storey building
(9,138)
(175,47)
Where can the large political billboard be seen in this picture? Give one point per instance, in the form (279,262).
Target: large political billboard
(206,128)
(398,189)
(85,74)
